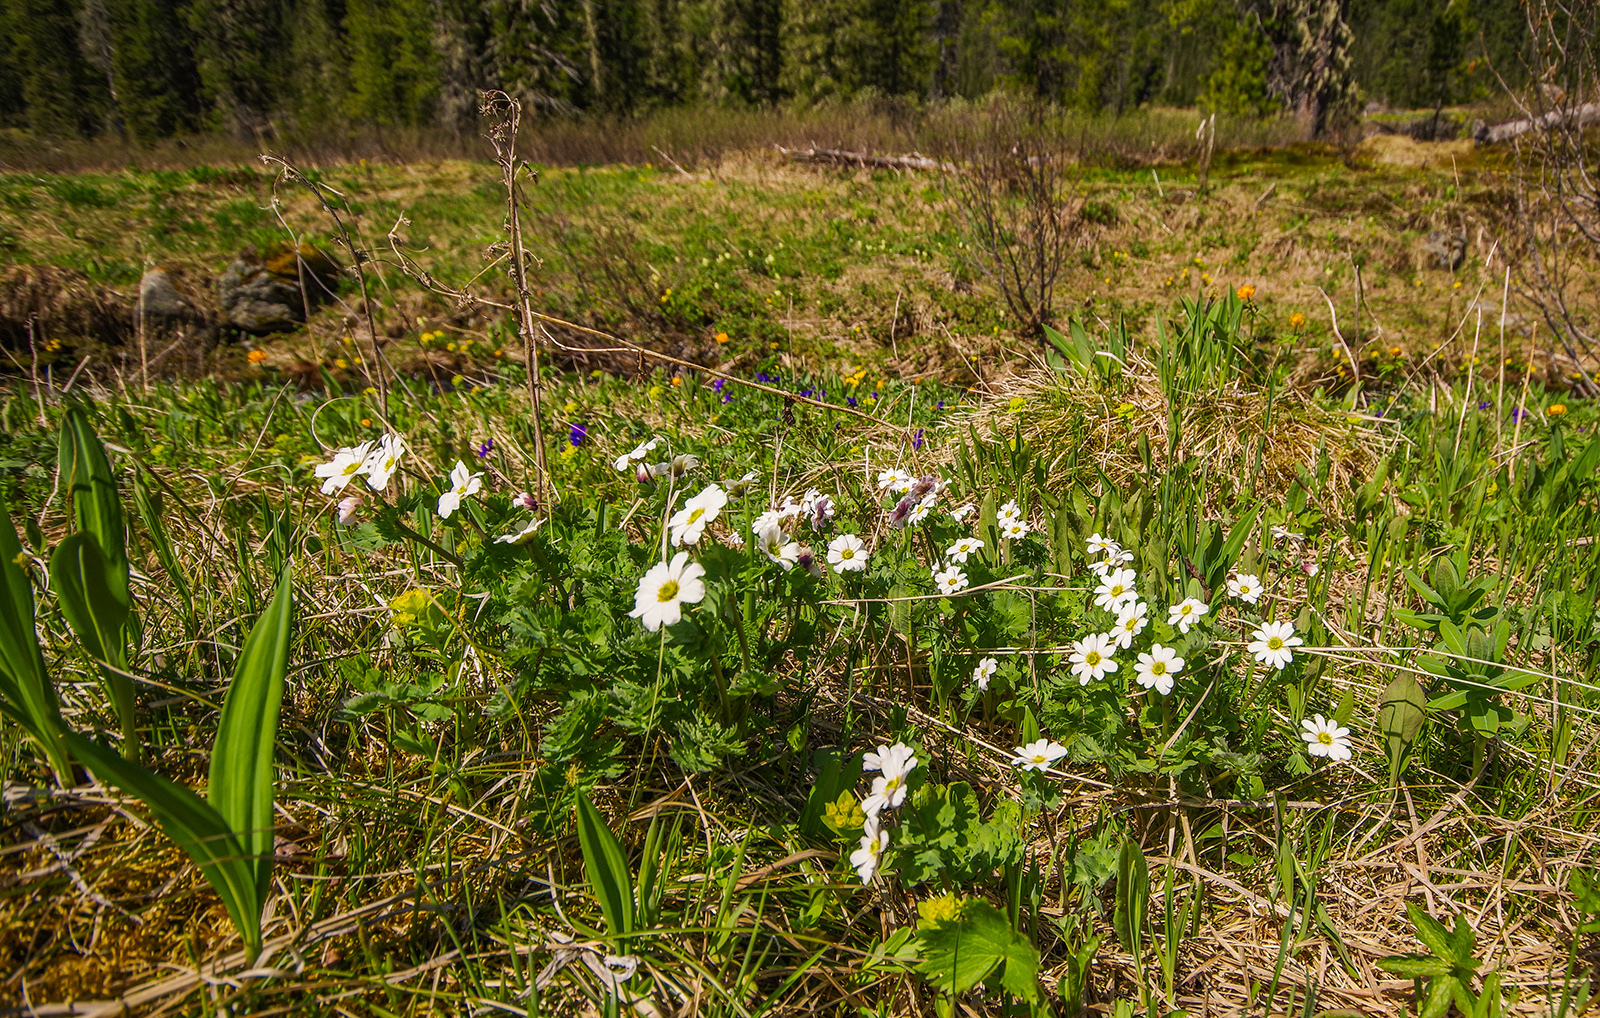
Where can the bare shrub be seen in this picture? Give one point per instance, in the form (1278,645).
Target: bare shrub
(1556,215)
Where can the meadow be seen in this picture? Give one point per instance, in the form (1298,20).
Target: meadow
(820,642)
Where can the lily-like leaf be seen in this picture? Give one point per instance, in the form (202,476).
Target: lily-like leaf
(606,867)
(25,689)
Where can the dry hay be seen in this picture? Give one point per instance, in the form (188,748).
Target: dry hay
(41,303)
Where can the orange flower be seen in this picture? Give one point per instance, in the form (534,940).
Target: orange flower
(1556,409)
(1246,292)
(677,379)
(721,337)
(1296,320)
(256,356)
(1394,351)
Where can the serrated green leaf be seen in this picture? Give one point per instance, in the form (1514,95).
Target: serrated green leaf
(957,956)
(1430,931)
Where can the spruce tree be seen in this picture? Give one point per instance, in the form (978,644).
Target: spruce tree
(394,73)
(152,54)
(62,93)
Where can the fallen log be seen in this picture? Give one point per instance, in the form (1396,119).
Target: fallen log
(836,157)
(1588,113)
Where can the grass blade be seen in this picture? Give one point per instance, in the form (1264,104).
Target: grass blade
(194,825)
(241,761)
(23,682)
(606,867)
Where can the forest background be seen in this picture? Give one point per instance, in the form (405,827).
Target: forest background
(288,70)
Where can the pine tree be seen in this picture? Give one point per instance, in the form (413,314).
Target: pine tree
(746,56)
(62,93)
(152,54)
(394,74)
(242,53)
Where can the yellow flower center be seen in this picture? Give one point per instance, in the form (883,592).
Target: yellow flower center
(1325,738)
(352,467)
(1038,758)
(846,553)
(696,515)
(1186,609)
(1092,658)
(1158,668)
(1276,643)
(668,591)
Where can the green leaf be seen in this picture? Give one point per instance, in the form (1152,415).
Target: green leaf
(1437,1004)
(957,956)
(1414,966)
(1401,713)
(87,595)
(24,686)
(1431,932)
(241,761)
(86,476)
(195,826)
(606,867)
(1133,891)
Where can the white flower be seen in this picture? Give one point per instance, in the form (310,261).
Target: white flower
(1326,738)
(1008,512)
(1186,613)
(1101,568)
(847,553)
(1157,669)
(522,536)
(348,507)
(627,460)
(1014,530)
(665,589)
(1038,756)
(1116,558)
(525,500)
(898,759)
(985,671)
(1115,590)
(1311,568)
(1091,658)
(767,520)
(345,465)
(1130,623)
(1098,545)
(950,580)
(1285,534)
(777,547)
(677,466)
(1245,587)
(873,841)
(818,506)
(1272,643)
(462,484)
(689,523)
(789,509)
(733,540)
(742,485)
(384,460)
(896,480)
(964,547)
(921,512)
(961,512)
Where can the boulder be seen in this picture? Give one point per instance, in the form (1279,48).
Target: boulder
(1445,250)
(163,303)
(273,290)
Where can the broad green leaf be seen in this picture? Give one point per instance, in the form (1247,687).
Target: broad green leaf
(241,761)
(194,825)
(1414,966)
(86,593)
(606,867)
(24,685)
(1431,932)
(1133,891)
(1462,940)
(87,479)
(1401,713)
(1437,1004)
(957,956)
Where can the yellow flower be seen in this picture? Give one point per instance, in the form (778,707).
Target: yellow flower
(569,408)
(340,363)
(450,346)
(366,422)
(1017,403)
(1394,351)
(1556,409)
(677,380)
(1246,292)
(1296,320)
(655,391)
(934,911)
(774,346)
(369,391)
(256,356)
(721,337)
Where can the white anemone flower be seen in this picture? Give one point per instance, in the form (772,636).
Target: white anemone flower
(1115,590)
(1098,545)
(1157,669)
(900,759)
(628,459)
(1101,567)
(384,461)
(964,547)
(1245,587)
(1325,737)
(921,512)
(1015,530)
(677,466)
(950,580)
(984,672)
(1186,613)
(345,466)
(462,484)
(775,544)
(689,523)
(896,480)
(348,507)
(961,512)
(665,589)
(1038,756)
(1091,658)
(873,841)
(1273,642)
(522,536)
(1117,558)
(1130,623)
(1008,512)
(1285,534)
(767,520)
(889,788)
(847,553)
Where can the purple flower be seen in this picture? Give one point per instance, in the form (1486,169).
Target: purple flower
(727,397)
(916,443)
(849,401)
(486,448)
(1518,413)
(940,406)
(1484,404)
(719,383)
(578,433)
(902,511)
(807,392)
(525,500)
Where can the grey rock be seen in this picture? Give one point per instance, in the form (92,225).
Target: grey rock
(272,293)
(1445,250)
(161,301)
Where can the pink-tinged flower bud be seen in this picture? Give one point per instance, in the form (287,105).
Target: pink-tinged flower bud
(524,500)
(348,507)
(809,563)
(642,474)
